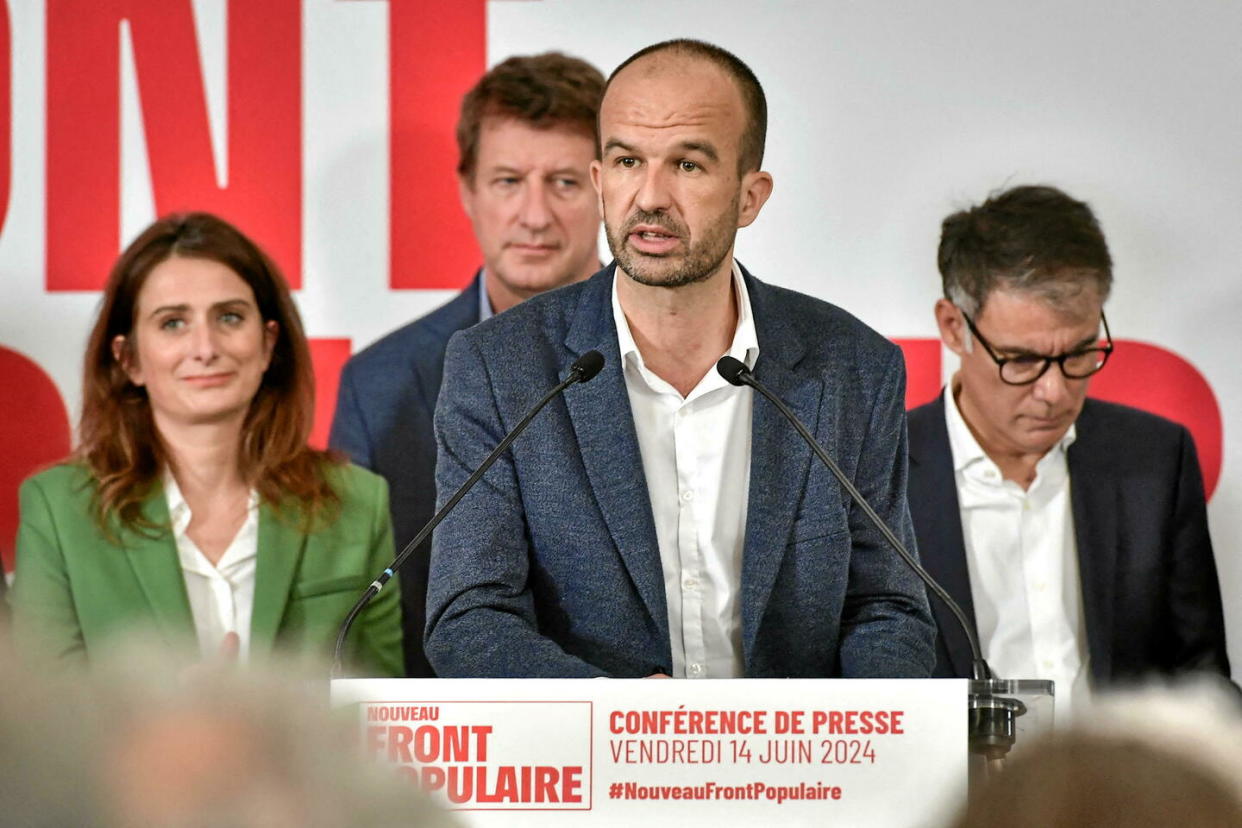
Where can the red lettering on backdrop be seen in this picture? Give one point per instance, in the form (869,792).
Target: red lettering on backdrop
(34,431)
(264,191)
(6,111)
(922,369)
(328,357)
(1138,374)
(436,52)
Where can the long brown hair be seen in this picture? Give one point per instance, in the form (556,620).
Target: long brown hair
(119,442)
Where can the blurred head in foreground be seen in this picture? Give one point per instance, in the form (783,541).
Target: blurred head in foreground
(1156,757)
(131,745)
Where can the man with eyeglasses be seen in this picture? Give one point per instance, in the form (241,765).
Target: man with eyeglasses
(1072,531)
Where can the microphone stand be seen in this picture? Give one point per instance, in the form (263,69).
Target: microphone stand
(584,369)
(992,729)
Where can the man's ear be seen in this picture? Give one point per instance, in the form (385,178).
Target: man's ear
(465,192)
(123,353)
(597,174)
(952,326)
(756,188)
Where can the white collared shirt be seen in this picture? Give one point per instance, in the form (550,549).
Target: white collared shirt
(485,301)
(1023,564)
(696,459)
(221,596)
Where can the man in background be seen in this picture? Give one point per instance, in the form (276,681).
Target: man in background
(526,138)
(1072,531)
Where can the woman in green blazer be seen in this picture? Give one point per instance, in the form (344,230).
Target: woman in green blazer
(193,508)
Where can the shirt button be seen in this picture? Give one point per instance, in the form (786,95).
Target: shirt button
(695,669)
(1041,586)
(1047,664)
(691,583)
(688,495)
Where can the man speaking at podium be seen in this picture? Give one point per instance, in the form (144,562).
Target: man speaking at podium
(658,520)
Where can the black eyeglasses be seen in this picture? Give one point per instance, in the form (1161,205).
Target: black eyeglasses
(1026,368)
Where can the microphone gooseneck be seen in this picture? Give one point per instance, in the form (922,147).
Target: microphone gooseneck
(990,716)
(736,373)
(584,369)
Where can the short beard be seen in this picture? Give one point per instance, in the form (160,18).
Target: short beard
(701,260)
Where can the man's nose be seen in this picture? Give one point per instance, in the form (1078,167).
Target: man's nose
(654,193)
(1052,387)
(535,214)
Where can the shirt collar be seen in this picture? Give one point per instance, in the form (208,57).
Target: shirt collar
(745,344)
(962,443)
(485,304)
(178,509)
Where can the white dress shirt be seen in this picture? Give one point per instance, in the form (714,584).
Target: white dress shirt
(221,595)
(1023,563)
(696,459)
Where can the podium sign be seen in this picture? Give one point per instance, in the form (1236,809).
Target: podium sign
(625,752)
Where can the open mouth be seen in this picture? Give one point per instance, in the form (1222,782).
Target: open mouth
(653,240)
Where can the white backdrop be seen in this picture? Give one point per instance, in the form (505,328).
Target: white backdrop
(884,117)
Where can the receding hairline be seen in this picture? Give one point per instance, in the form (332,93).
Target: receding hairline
(664,61)
(749,90)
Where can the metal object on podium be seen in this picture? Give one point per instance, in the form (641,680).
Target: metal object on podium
(1000,713)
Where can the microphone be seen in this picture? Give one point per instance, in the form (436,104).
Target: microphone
(992,730)
(736,373)
(583,369)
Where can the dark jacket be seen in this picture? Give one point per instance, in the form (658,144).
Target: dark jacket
(1151,602)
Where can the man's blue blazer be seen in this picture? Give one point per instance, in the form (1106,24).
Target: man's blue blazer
(1151,601)
(550,566)
(383,422)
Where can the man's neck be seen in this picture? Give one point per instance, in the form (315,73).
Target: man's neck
(502,296)
(681,332)
(1018,466)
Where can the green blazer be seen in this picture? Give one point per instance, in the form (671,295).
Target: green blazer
(74,589)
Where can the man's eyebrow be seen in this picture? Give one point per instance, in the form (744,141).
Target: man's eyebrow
(704,147)
(1082,344)
(1086,342)
(617,143)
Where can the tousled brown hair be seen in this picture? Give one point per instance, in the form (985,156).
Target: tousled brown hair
(549,90)
(119,442)
(1031,238)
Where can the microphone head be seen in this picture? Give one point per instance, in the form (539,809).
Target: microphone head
(587,366)
(733,370)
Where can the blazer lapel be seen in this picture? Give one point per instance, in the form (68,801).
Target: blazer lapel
(1095,533)
(280,551)
(779,463)
(153,556)
(937,515)
(779,458)
(604,426)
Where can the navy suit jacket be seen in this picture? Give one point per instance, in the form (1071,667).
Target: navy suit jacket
(1151,602)
(383,422)
(550,566)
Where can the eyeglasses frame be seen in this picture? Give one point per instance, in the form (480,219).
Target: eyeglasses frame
(1001,361)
